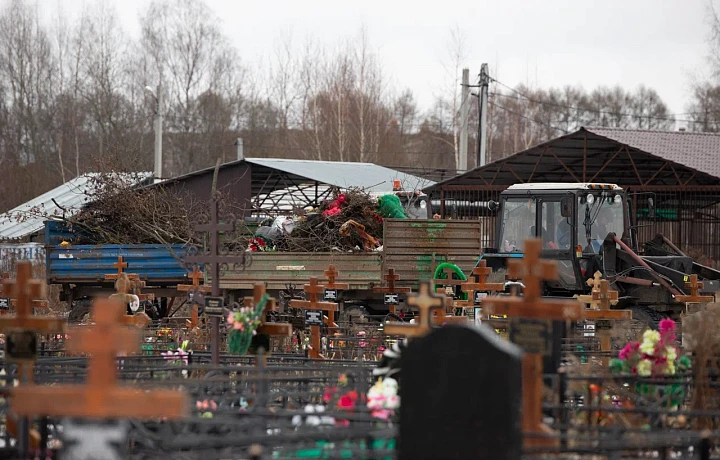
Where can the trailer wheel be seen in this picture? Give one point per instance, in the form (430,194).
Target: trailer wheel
(79,309)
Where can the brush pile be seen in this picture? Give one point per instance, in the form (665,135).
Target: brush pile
(350,221)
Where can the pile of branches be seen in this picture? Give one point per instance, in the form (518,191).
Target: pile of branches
(117,212)
(317,233)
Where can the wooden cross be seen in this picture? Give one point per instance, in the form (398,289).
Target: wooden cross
(331,274)
(313,290)
(391,278)
(426,301)
(196,275)
(27,292)
(271,329)
(214,259)
(533,272)
(600,300)
(694,297)
(121,265)
(100,398)
(480,273)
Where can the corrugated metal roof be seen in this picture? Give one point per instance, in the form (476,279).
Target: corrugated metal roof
(29,218)
(368,176)
(699,151)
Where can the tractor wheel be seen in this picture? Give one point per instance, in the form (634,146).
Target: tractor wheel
(79,309)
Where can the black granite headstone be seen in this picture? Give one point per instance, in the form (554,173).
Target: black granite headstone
(461,397)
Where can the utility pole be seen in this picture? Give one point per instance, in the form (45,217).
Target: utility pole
(482,119)
(462,165)
(158,129)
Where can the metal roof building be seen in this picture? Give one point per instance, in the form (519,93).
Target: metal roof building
(272,185)
(27,220)
(681,169)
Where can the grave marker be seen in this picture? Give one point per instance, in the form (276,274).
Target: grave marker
(694,297)
(331,291)
(100,398)
(313,290)
(533,271)
(600,300)
(196,275)
(392,292)
(271,329)
(123,284)
(214,259)
(441,422)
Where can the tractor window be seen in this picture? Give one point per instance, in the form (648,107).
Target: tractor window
(597,219)
(555,230)
(518,224)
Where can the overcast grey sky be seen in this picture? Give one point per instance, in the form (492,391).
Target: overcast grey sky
(660,43)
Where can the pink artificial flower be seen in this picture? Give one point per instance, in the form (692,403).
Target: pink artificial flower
(382,414)
(626,351)
(667,325)
(239,326)
(231,318)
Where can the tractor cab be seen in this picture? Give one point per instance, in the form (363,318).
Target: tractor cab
(572,220)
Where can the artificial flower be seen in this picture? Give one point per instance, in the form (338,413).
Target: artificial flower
(651,336)
(667,325)
(647,347)
(644,367)
(670,353)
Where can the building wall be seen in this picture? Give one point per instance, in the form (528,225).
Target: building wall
(235,180)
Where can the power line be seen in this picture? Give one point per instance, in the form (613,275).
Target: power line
(528,118)
(670,117)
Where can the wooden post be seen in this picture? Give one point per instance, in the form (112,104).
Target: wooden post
(391,278)
(533,271)
(100,398)
(313,290)
(600,300)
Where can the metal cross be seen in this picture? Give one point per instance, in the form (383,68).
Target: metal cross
(196,275)
(100,397)
(214,260)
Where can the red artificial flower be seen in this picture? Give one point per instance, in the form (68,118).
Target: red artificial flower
(329,393)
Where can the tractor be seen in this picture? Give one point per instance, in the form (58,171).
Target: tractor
(588,228)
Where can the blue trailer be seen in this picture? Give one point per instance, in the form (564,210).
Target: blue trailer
(81,269)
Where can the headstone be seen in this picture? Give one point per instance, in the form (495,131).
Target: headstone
(483,420)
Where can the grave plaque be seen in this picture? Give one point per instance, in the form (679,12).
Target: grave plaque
(532,335)
(95,439)
(603,324)
(331,295)
(313,317)
(392,299)
(214,306)
(4,303)
(440,422)
(479,296)
(21,345)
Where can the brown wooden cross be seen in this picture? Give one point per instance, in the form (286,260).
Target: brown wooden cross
(331,274)
(391,278)
(426,301)
(600,300)
(196,275)
(100,398)
(313,290)
(480,273)
(27,292)
(533,271)
(121,265)
(214,259)
(271,329)
(694,297)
